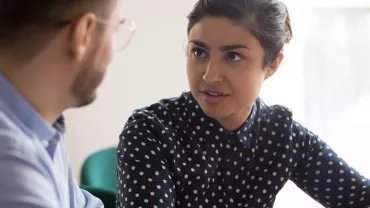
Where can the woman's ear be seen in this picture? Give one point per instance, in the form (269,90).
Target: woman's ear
(275,66)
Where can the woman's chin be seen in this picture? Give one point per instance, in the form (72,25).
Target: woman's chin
(213,112)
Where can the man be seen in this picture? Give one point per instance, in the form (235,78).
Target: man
(53,56)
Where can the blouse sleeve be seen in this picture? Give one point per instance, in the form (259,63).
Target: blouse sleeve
(144,179)
(325,176)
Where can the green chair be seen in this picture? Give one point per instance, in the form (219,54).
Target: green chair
(98,175)
(107,197)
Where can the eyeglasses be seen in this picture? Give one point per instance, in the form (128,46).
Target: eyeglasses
(124,31)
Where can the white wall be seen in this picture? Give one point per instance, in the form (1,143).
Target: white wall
(136,77)
(156,56)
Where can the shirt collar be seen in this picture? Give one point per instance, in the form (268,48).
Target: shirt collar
(24,114)
(244,133)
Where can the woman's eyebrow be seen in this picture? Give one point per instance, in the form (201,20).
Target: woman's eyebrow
(221,48)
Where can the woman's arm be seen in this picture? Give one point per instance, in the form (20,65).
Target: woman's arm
(144,179)
(326,177)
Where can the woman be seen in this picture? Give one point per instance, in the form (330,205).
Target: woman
(220,145)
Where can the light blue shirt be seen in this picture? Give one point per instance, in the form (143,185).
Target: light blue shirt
(35,171)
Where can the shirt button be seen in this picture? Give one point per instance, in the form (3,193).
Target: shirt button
(45,143)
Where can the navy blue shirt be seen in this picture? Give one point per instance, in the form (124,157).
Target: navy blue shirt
(171,154)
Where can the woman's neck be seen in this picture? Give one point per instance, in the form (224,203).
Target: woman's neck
(234,121)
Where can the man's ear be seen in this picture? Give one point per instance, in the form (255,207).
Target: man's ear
(275,66)
(82,34)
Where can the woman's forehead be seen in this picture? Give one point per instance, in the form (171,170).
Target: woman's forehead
(215,31)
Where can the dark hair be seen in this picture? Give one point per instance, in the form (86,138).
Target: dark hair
(267,20)
(27,26)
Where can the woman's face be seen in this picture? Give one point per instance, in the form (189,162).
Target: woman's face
(225,69)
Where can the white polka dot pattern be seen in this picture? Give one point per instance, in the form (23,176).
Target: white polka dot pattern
(172,155)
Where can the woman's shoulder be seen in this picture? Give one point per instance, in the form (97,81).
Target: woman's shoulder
(156,122)
(279,119)
(163,112)
(274,113)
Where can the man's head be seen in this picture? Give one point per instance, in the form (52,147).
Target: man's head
(69,42)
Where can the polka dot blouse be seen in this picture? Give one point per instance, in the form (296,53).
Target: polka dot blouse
(172,155)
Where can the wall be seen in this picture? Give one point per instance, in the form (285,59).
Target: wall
(153,67)
(136,77)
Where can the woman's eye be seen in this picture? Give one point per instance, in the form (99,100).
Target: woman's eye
(233,57)
(199,53)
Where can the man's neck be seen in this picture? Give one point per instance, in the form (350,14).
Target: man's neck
(40,92)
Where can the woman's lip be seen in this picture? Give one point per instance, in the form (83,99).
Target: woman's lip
(214,92)
(213,99)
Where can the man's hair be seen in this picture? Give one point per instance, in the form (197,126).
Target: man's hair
(26,27)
